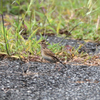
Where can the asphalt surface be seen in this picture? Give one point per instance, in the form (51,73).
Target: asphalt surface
(42,81)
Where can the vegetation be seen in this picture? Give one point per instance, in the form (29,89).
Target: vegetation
(26,18)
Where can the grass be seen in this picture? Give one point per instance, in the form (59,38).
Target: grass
(44,17)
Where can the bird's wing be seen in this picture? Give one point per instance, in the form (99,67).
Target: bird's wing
(50,53)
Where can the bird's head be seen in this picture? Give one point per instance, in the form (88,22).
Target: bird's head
(43,44)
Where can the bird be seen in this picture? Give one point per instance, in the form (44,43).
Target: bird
(48,54)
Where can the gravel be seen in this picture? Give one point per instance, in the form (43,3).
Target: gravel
(42,81)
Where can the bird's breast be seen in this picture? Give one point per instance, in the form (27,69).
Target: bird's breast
(47,57)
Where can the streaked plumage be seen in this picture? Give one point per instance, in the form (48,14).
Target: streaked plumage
(47,54)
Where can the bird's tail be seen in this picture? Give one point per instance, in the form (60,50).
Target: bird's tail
(60,62)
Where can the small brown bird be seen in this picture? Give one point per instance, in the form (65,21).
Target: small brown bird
(47,54)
